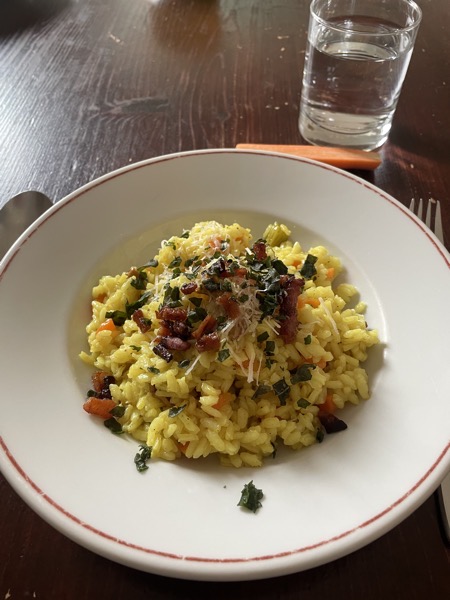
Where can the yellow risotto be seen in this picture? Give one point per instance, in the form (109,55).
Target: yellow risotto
(227,345)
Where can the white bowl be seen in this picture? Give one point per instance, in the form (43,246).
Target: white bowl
(181,519)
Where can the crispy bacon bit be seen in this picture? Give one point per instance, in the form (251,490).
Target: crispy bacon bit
(240,272)
(165,329)
(101,380)
(142,322)
(259,250)
(174,343)
(331,423)
(209,341)
(99,407)
(180,329)
(172,314)
(162,351)
(188,288)
(230,305)
(208,325)
(291,288)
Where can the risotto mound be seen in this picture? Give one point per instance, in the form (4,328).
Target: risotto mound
(225,345)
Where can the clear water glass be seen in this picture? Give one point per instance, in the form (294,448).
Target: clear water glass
(356,60)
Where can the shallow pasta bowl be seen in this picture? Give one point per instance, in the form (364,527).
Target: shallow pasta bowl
(181,519)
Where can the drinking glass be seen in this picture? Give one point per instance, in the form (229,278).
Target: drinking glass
(356,60)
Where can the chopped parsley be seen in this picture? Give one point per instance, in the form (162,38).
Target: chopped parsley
(303,403)
(223,355)
(281,389)
(118,411)
(302,373)
(251,497)
(309,270)
(140,281)
(261,390)
(176,410)
(113,425)
(151,263)
(307,340)
(141,458)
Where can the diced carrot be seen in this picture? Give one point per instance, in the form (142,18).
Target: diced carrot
(246,364)
(107,325)
(224,398)
(99,407)
(330,273)
(328,406)
(314,302)
(183,446)
(321,363)
(345,158)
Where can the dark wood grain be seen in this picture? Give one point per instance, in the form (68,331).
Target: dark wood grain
(88,86)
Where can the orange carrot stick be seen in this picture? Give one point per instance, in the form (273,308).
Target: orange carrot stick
(224,398)
(344,158)
(328,406)
(107,325)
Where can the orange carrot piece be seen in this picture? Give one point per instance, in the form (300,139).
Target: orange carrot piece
(314,302)
(330,273)
(183,447)
(99,407)
(107,325)
(224,398)
(328,406)
(345,158)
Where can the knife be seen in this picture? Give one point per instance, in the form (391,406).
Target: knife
(18,214)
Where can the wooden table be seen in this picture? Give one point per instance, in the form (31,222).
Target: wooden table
(88,86)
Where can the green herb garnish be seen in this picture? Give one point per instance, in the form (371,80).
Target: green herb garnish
(176,410)
(261,390)
(113,425)
(118,411)
(251,497)
(140,281)
(307,340)
(302,373)
(141,458)
(223,354)
(309,270)
(303,403)
(281,389)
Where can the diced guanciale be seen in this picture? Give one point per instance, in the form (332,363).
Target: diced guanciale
(291,288)
(209,341)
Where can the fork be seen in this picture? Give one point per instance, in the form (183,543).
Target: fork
(435,226)
(443,493)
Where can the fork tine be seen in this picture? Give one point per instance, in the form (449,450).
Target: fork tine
(438,230)
(419,212)
(428,215)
